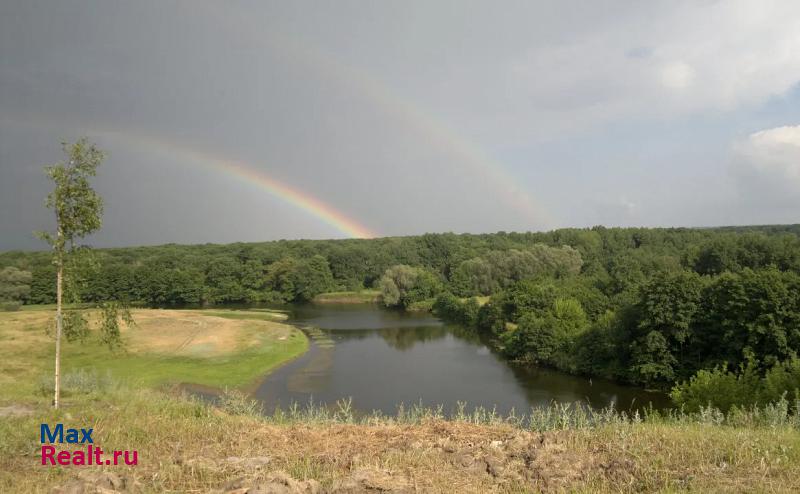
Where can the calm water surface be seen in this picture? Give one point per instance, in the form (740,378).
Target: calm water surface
(381,358)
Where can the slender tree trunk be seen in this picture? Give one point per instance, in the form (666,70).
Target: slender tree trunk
(59,325)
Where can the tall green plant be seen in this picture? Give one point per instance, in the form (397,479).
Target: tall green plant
(78,210)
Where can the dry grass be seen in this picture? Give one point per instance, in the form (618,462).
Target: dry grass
(185,446)
(25,351)
(192,333)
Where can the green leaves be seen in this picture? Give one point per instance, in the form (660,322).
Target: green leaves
(299,280)
(78,208)
(500,269)
(111,315)
(15,284)
(668,304)
(548,336)
(76,327)
(403,285)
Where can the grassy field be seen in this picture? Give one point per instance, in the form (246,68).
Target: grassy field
(216,348)
(185,445)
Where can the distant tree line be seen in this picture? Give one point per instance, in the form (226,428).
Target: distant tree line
(657,307)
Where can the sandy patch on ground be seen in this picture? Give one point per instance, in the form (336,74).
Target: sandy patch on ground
(190,333)
(168,332)
(15,411)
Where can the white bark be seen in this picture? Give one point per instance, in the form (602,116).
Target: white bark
(59,326)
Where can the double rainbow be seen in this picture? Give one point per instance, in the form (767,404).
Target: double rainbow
(467,153)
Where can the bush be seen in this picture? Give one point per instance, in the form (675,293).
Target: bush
(781,379)
(79,382)
(402,286)
(447,306)
(490,317)
(236,402)
(549,338)
(451,308)
(11,306)
(469,312)
(724,390)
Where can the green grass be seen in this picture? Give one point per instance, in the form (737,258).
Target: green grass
(27,355)
(352,297)
(421,306)
(239,369)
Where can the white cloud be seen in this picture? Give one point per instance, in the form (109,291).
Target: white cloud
(677,75)
(651,60)
(767,165)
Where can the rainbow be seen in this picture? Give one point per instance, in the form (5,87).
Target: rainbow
(304,201)
(468,154)
(250,175)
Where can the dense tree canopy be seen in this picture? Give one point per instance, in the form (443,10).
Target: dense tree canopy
(403,286)
(15,284)
(651,306)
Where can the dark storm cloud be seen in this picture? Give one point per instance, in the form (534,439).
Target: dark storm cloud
(406,117)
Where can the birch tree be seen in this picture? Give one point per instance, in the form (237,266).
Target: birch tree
(78,210)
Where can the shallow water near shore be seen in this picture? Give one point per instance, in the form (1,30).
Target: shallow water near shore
(381,358)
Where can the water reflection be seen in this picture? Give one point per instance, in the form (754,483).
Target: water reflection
(382,358)
(405,338)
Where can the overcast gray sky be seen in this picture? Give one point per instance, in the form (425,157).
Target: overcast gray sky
(244,121)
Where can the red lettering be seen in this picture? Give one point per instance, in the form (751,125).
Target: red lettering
(63,458)
(47,454)
(78,458)
(50,456)
(135,458)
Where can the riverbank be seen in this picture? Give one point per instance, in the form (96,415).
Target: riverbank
(219,348)
(185,445)
(349,297)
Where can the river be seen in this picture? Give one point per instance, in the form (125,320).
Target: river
(381,358)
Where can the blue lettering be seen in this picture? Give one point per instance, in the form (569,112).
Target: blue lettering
(87,436)
(51,436)
(56,435)
(72,436)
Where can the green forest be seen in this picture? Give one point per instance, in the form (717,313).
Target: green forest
(711,314)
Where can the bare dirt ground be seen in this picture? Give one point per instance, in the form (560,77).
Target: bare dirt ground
(15,410)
